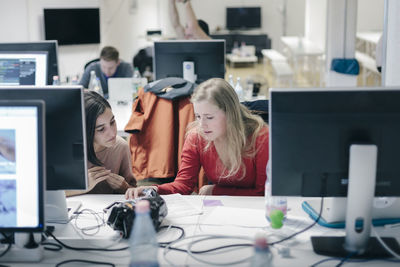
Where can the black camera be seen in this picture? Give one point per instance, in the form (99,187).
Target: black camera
(122,214)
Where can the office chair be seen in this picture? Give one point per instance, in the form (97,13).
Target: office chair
(91,61)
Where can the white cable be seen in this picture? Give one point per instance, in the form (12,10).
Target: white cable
(384,245)
(217,263)
(206,237)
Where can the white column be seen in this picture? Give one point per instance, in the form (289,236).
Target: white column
(340,39)
(391,44)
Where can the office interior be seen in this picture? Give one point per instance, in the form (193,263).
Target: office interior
(124,24)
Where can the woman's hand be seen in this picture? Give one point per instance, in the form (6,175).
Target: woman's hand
(206,190)
(116,181)
(96,175)
(135,192)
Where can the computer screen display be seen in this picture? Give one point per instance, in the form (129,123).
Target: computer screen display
(23,68)
(45,46)
(207,59)
(72,25)
(311,133)
(21,165)
(65,133)
(243,18)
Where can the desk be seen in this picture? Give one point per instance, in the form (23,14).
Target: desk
(234,59)
(239,216)
(303,50)
(366,42)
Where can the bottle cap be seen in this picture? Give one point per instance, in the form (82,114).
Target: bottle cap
(276,218)
(142,206)
(260,241)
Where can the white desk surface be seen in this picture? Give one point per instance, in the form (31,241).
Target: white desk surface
(243,216)
(369,36)
(301,46)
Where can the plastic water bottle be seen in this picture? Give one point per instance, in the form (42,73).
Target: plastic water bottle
(136,82)
(230,81)
(97,87)
(92,81)
(275,206)
(262,254)
(143,239)
(56,80)
(239,89)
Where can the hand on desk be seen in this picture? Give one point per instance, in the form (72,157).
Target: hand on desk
(135,192)
(206,190)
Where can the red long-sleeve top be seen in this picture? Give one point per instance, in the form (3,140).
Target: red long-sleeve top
(194,156)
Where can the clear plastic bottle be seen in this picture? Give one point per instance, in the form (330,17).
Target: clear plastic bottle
(97,87)
(136,82)
(56,80)
(275,206)
(230,81)
(262,254)
(239,89)
(92,81)
(143,239)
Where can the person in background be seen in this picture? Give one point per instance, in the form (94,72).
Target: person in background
(195,29)
(229,142)
(109,66)
(109,163)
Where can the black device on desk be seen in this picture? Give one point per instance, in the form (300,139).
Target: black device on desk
(323,140)
(122,214)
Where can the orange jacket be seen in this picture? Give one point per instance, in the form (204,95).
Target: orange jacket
(157,128)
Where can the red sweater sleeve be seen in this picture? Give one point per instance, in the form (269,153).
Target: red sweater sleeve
(259,162)
(188,173)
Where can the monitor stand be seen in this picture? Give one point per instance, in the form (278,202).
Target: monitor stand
(26,248)
(56,210)
(360,195)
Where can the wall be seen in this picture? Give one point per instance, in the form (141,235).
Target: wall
(124,22)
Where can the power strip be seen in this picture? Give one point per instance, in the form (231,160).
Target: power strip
(16,254)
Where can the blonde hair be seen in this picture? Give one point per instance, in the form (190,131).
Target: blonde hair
(242,127)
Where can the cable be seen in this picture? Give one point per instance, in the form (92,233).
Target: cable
(161,244)
(305,229)
(394,254)
(100,222)
(85,249)
(9,242)
(86,261)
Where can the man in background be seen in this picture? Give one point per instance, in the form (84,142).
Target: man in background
(194,29)
(109,66)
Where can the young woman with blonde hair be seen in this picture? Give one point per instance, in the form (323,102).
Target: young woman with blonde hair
(229,142)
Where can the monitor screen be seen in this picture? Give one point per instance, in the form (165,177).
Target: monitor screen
(45,46)
(243,18)
(28,68)
(311,133)
(65,133)
(21,165)
(72,25)
(207,57)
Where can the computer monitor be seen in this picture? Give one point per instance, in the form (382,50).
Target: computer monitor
(46,46)
(195,61)
(337,142)
(243,18)
(22,163)
(65,141)
(23,68)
